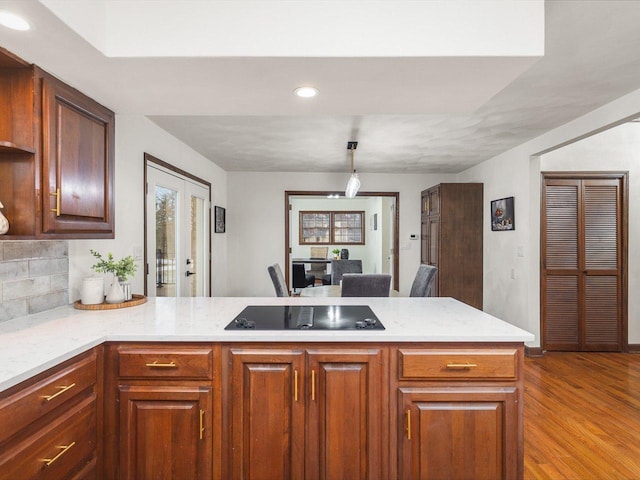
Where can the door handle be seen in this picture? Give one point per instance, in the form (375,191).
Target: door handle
(188,273)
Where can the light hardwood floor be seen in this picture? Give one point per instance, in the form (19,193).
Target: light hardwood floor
(582,416)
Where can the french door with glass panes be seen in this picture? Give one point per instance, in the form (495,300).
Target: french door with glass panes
(178,216)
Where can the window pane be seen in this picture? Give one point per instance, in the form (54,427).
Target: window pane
(166,235)
(347,227)
(198,237)
(315,227)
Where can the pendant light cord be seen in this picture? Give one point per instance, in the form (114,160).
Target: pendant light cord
(352,169)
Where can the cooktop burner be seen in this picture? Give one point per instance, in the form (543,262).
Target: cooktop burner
(306,317)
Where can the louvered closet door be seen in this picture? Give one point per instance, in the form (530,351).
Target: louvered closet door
(582,268)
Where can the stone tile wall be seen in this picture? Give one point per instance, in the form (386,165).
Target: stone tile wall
(34,276)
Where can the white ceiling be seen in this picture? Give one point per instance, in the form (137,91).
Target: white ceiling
(409,114)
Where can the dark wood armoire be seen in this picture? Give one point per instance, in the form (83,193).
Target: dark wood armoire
(451,240)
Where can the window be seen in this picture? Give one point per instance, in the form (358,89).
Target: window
(325,228)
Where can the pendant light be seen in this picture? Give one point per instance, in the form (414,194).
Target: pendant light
(354,182)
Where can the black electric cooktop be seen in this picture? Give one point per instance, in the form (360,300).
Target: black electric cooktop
(306,317)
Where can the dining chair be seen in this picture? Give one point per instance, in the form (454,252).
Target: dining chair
(275,272)
(365,285)
(340,267)
(318,269)
(423,281)
(299,278)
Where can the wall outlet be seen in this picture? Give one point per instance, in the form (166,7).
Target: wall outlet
(520,251)
(137,252)
(513,273)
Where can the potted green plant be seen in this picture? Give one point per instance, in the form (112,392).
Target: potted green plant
(336,253)
(121,270)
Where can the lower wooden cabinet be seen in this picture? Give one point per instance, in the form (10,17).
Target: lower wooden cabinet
(346,407)
(49,427)
(158,411)
(266,399)
(306,413)
(315,411)
(458,433)
(164,432)
(458,412)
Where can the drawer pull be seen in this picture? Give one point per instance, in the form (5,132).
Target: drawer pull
(63,389)
(460,366)
(49,461)
(155,364)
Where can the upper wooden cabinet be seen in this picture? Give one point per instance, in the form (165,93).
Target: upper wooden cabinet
(77,161)
(56,157)
(451,240)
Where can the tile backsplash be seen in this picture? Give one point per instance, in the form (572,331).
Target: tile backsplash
(34,276)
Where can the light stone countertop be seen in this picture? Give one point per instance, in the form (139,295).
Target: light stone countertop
(32,344)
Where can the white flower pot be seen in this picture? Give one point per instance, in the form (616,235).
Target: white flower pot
(116,293)
(92,292)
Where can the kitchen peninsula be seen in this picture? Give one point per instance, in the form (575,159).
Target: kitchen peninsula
(438,392)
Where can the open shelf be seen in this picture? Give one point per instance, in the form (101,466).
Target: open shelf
(10,147)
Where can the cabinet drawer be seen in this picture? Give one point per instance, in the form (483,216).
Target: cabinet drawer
(88,472)
(471,364)
(61,385)
(64,446)
(179,362)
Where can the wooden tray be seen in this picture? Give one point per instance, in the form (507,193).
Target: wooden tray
(135,300)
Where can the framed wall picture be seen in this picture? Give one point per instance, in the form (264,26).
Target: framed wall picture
(220,220)
(503,215)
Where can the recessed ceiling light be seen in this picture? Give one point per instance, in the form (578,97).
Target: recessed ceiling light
(13,21)
(306,92)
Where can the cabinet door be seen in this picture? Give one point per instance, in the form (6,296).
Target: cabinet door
(424,242)
(345,396)
(432,229)
(165,432)
(433,195)
(458,433)
(267,414)
(582,290)
(77,163)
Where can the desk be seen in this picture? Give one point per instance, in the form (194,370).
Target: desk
(310,260)
(331,291)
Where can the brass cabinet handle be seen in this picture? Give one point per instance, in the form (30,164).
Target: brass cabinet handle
(57,195)
(201,423)
(63,389)
(295,385)
(313,384)
(460,366)
(155,364)
(49,461)
(408,424)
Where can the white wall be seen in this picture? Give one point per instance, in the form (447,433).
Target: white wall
(373,237)
(255,221)
(136,135)
(517,172)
